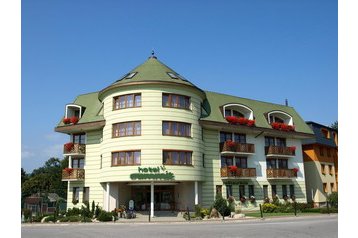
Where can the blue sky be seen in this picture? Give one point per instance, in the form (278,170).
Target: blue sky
(263,50)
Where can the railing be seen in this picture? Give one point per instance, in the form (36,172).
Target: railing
(74,148)
(281,173)
(73,174)
(280,150)
(231,146)
(248,172)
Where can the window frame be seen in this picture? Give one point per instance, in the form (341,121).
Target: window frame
(178,98)
(125,96)
(178,158)
(76,194)
(134,129)
(177,130)
(125,159)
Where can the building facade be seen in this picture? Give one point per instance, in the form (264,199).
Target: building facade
(155,138)
(320,156)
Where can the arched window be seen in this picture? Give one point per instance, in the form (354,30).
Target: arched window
(73,110)
(280,117)
(238,110)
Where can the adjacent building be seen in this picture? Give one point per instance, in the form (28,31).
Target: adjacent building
(321,163)
(157,139)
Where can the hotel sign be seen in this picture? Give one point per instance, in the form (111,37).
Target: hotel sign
(156,173)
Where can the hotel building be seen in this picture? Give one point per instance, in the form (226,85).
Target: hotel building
(157,139)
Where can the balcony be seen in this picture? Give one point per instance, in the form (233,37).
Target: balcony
(230,147)
(74,148)
(280,151)
(239,173)
(70,174)
(281,173)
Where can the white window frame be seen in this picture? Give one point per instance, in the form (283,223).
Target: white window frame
(287,118)
(246,111)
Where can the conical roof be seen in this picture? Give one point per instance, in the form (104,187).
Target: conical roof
(152,70)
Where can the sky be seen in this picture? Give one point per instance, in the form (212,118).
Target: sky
(263,50)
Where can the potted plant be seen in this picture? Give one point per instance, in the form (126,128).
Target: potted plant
(230,143)
(295,171)
(232,119)
(252,199)
(74,120)
(292,148)
(233,169)
(251,122)
(66,120)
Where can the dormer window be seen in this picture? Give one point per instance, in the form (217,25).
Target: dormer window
(238,110)
(280,121)
(325,133)
(72,114)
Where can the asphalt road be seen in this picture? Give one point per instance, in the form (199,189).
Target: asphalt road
(321,226)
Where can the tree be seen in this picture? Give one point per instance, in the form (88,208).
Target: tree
(334,125)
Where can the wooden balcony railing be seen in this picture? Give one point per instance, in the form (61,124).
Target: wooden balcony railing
(281,173)
(74,148)
(73,174)
(248,172)
(230,146)
(280,150)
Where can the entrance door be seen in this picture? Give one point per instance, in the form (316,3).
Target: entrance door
(163,197)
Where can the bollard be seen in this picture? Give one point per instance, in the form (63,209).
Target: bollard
(262,214)
(295,206)
(148,216)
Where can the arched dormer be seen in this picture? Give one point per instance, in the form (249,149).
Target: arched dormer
(73,110)
(280,117)
(238,110)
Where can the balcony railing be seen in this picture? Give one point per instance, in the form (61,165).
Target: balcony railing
(248,172)
(280,150)
(281,173)
(73,174)
(230,146)
(74,148)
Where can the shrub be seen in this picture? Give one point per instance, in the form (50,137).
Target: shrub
(268,208)
(27,213)
(73,212)
(50,219)
(71,219)
(105,216)
(333,199)
(331,210)
(220,204)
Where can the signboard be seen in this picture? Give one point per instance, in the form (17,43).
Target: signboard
(154,173)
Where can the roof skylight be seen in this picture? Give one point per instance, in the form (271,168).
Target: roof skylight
(173,76)
(130,75)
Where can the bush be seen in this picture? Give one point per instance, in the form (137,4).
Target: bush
(331,210)
(312,210)
(220,204)
(105,216)
(71,219)
(269,208)
(333,199)
(50,219)
(73,212)
(27,213)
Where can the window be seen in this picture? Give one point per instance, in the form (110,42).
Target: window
(323,169)
(176,101)
(269,141)
(281,142)
(240,138)
(273,190)
(292,190)
(132,128)
(226,161)
(231,112)
(85,197)
(325,189)
(251,190)
(219,189)
(325,133)
(282,163)
(173,76)
(276,119)
(271,163)
(265,191)
(78,163)
(228,190)
(241,190)
(330,169)
(75,194)
(79,138)
(127,101)
(241,162)
(321,152)
(225,136)
(177,157)
(171,128)
(332,187)
(284,191)
(126,158)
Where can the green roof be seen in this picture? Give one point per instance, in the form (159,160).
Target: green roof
(260,109)
(92,108)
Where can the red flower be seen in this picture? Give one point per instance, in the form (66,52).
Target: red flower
(230,143)
(68,146)
(295,170)
(232,119)
(68,170)
(251,122)
(233,168)
(292,148)
(74,119)
(275,125)
(242,120)
(282,126)
(66,120)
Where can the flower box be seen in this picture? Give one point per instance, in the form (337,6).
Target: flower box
(295,170)
(74,120)
(240,120)
(292,148)
(230,143)
(233,169)
(232,119)
(66,120)
(68,170)
(69,146)
(282,126)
